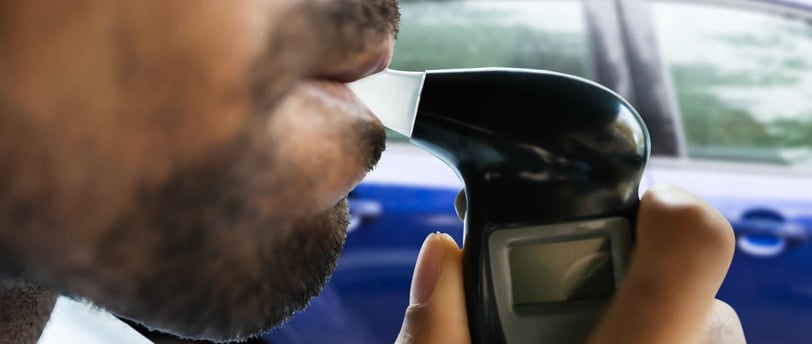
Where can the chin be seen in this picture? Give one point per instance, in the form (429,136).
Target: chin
(221,287)
(214,252)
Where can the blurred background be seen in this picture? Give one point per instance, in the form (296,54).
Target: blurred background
(725,88)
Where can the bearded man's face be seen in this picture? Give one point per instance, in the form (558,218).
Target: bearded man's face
(185,163)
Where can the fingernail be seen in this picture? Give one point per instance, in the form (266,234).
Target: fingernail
(427,269)
(673,194)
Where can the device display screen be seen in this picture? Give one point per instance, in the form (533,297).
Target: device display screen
(561,271)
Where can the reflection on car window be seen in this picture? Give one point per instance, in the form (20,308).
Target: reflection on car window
(548,35)
(743,81)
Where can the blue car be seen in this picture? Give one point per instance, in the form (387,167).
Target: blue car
(725,88)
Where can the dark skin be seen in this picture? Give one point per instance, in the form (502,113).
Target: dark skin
(185,164)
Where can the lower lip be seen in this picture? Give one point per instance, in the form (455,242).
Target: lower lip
(336,90)
(344,97)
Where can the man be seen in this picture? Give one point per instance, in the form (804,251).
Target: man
(184,164)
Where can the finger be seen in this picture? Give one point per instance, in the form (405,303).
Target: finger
(723,326)
(436,313)
(684,248)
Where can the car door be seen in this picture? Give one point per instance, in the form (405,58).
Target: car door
(410,193)
(739,76)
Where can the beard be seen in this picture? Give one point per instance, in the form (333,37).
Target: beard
(220,251)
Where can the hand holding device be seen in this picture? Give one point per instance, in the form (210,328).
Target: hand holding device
(551,165)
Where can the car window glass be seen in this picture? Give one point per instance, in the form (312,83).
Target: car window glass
(743,81)
(548,35)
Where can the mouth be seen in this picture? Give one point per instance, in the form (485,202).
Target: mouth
(331,85)
(332,81)
(337,140)
(369,135)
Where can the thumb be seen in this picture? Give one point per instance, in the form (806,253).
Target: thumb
(436,312)
(684,248)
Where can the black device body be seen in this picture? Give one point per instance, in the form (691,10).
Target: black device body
(534,149)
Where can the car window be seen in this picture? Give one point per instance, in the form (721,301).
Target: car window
(743,84)
(548,35)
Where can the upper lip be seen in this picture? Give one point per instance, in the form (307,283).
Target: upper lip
(357,66)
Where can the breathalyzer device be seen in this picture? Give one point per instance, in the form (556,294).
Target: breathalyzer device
(551,165)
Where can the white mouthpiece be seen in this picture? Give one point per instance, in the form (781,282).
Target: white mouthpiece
(393,96)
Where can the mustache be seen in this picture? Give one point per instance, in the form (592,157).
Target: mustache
(319,37)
